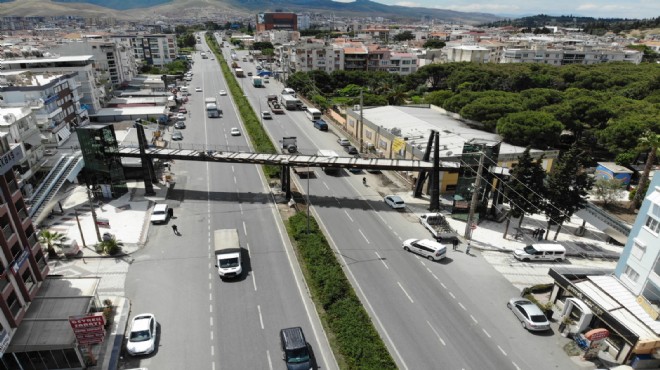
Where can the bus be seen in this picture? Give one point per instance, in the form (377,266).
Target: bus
(313,114)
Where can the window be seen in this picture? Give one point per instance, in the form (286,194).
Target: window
(638,250)
(652,224)
(631,274)
(14,304)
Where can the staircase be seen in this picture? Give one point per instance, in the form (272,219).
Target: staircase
(602,220)
(64,169)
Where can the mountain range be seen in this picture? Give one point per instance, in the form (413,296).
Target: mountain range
(139,8)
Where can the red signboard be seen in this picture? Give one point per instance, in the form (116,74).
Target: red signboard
(597,334)
(89,329)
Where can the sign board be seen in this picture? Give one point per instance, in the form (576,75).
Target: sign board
(10,159)
(597,334)
(103,222)
(5,338)
(88,329)
(20,261)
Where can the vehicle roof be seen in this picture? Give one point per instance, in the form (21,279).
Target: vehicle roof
(530,307)
(160,207)
(293,338)
(141,321)
(427,243)
(543,247)
(394,197)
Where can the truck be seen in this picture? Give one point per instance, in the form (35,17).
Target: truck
(227,253)
(331,155)
(437,224)
(289,144)
(239,72)
(275,107)
(204,56)
(212,110)
(234,65)
(290,102)
(257,81)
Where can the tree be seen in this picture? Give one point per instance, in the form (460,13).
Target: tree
(525,188)
(567,187)
(538,129)
(434,44)
(651,142)
(50,238)
(607,190)
(404,36)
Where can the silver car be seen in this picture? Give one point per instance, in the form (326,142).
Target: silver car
(530,315)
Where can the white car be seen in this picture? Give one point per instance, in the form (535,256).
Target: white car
(198,89)
(160,213)
(180,116)
(142,335)
(395,201)
(426,248)
(235,131)
(529,314)
(222,92)
(266,115)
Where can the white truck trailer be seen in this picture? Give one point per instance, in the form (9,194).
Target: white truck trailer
(212,110)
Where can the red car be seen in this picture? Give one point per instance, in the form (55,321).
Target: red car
(183,110)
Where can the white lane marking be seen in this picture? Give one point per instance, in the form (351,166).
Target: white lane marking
(270,363)
(211,321)
(210,276)
(254,280)
(485,332)
(516,365)
(235,182)
(210,296)
(502,350)
(463,307)
(382,260)
(406,293)
(210,308)
(211,334)
(210,286)
(422,262)
(212,350)
(436,333)
(261,319)
(349,216)
(364,236)
(326,185)
(473,319)
(452,295)
(232,168)
(245,228)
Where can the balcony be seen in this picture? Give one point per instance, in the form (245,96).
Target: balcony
(22,213)
(32,239)
(8,232)
(15,308)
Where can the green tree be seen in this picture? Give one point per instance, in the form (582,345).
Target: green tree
(607,190)
(525,188)
(567,187)
(50,238)
(490,107)
(404,36)
(538,129)
(434,44)
(651,142)
(437,97)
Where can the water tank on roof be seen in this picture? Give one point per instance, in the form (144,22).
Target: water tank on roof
(396,131)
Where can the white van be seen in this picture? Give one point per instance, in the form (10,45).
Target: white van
(541,252)
(426,248)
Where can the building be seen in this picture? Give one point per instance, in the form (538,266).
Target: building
(569,55)
(314,54)
(19,125)
(626,301)
(467,53)
(23,264)
(88,89)
(402,63)
(151,49)
(277,21)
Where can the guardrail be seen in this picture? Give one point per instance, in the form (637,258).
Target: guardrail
(607,218)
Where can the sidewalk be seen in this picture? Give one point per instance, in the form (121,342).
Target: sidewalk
(128,220)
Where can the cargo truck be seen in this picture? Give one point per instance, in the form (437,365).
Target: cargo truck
(290,102)
(204,56)
(331,155)
(257,81)
(227,253)
(437,224)
(212,110)
(239,72)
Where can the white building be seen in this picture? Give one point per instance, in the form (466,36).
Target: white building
(152,49)
(467,53)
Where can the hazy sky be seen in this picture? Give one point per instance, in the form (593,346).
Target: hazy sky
(587,8)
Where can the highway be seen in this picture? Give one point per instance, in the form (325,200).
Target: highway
(450,314)
(205,323)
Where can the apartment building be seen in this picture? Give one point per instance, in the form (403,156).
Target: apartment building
(569,55)
(23,265)
(151,49)
(314,54)
(19,125)
(53,97)
(277,21)
(85,80)
(402,63)
(467,53)
(356,54)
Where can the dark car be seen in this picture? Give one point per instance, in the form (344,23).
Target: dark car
(295,350)
(350,149)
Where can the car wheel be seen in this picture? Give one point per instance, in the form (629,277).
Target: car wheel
(558,260)
(508,305)
(406,249)
(525,259)
(523,325)
(430,258)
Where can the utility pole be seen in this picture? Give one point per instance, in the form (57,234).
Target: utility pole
(362,121)
(91,206)
(475,198)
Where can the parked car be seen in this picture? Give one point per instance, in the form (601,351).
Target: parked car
(350,149)
(530,315)
(426,248)
(198,89)
(395,201)
(180,116)
(266,115)
(343,141)
(183,110)
(180,125)
(222,92)
(142,335)
(177,136)
(160,214)
(235,131)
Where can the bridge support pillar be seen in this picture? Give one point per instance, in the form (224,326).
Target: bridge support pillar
(285,179)
(435,174)
(421,178)
(148,173)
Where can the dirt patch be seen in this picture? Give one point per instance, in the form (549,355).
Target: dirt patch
(620,210)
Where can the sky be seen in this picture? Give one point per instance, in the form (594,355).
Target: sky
(587,8)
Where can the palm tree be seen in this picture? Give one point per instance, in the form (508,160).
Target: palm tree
(50,238)
(650,141)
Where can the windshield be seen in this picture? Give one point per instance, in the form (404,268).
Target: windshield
(229,262)
(529,249)
(159,212)
(140,336)
(538,318)
(297,355)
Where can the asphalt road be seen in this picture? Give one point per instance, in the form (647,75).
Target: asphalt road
(450,314)
(206,323)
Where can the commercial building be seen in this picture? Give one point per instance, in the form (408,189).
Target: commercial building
(277,21)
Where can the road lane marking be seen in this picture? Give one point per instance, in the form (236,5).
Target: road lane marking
(463,307)
(254,280)
(210,286)
(261,319)
(349,216)
(232,168)
(235,182)
(245,228)
(436,333)
(364,236)
(210,296)
(210,308)
(473,319)
(211,334)
(326,185)
(452,295)
(502,350)
(382,260)
(406,293)
(210,276)
(485,332)
(211,321)
(515,365)
(212,350)
(270,363)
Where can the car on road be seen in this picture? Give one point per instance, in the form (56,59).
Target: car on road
(529,314)
(235,131)
(249,73)
(350,149)
(426,248)
(295,350)
(267,80)
(198,89)
(343,141)
(177,136)
(180,125)
(183,110)
(222,92)
(160,214)
(180,116)
(266,115)
(259,68)
(142,335)
(395,201)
